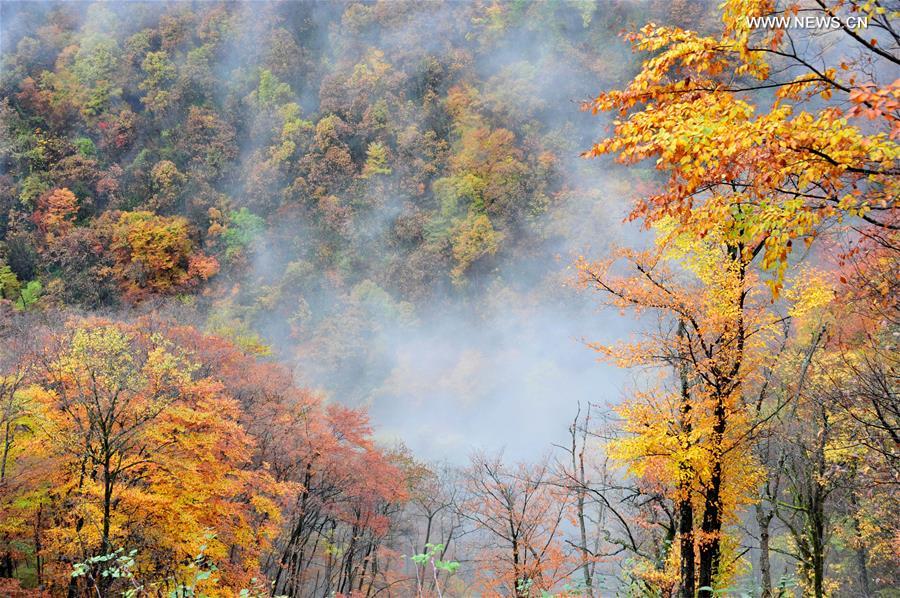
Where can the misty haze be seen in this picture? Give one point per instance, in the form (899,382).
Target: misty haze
(437,298)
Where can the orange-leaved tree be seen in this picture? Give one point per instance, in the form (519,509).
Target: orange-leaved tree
(56,212)
(342,489)
(771,132)
(521,514)
(157,254)
(129,449)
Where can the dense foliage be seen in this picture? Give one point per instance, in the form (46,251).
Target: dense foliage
(766,136)
(300,170)
(363,155)
(209,210)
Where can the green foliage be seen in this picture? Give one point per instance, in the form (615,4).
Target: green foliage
(243,229)
(298,274)
(231,322)
(159,69)
(786,584)
(96,59)
(32,187)
(203,569)
(456,196)
(110,567)
(430,556)
(291,131)
(94,67)
(160,73)
(9,283)
(119,566)
(11,289)
(28,295)
(86,147)
(380,304)
(271,91)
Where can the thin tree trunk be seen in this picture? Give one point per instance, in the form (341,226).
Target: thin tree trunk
(712,515)
(7,442)
(107,511)
(365,565)
(516,573)
(288,557)
(685,507)
(816,524)
(862,556)
(585,556)
(38,558)
(763,518)
(103,581)
(578,471)
(862,553)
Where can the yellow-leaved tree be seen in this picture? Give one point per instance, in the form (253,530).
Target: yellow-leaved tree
(135,451)
(691,433)
(768,133)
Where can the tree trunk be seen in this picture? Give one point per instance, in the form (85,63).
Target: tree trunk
(864,584)
(518,578)
(7,442)
(7,568)
(578,472)
(104,581)
(685,507)
(107,513)
(288,557)
(712,514)
(38,555)
(763,518)
(816,525)
(585,565)
(686,542)
(818,554)
(862,554)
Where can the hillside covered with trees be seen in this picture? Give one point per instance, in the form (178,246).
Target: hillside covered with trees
(305,299)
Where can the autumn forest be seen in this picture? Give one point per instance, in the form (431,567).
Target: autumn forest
(440,299)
